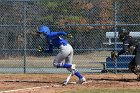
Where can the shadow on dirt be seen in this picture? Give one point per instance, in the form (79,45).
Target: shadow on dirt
(27,81)
(120,80)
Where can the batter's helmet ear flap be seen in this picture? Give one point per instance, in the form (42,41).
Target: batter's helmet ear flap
(44,29)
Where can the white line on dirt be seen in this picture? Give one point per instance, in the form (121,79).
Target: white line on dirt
(25,89)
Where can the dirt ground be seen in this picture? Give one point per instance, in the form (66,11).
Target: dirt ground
(52,83)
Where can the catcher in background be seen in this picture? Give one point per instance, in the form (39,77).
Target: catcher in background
(130,45)
(54,39)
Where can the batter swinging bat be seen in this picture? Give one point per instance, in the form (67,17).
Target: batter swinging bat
(67,80)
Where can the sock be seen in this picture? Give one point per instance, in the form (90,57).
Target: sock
(66,65)
(78,75)
(62,65)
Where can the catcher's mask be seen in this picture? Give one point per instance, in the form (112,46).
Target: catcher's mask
(122,34)
(44,29)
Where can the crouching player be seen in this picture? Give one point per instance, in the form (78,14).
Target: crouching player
(132,46)
(66,51)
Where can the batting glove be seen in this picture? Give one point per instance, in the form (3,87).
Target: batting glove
(69,36)
(40,49)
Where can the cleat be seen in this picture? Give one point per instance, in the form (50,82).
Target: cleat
(65,83)
(81,81)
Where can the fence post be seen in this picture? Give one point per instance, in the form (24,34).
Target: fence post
(115,29)
(24,29)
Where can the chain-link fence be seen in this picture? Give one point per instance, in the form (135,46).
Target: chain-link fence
(87,21)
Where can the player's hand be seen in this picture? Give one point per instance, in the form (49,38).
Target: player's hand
(69,36)
(40,49)
(113,55)
(131,49)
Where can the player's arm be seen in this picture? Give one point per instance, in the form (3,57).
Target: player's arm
(54,35)
(50,49)
(121,52)
(125,47)
(124,50)
(62,33)
(114,54)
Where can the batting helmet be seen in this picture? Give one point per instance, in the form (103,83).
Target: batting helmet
(123,33)
(44,29)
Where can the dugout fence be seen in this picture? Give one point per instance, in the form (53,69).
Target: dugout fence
(87,20)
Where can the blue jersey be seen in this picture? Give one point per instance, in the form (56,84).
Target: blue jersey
(55,39)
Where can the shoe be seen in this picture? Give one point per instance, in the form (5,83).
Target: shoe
(65,83)
(81,81)
(73,69)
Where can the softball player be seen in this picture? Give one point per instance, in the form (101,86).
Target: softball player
(132,46)
(129,43)
(66,51)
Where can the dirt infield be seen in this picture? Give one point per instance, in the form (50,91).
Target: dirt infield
(52,83)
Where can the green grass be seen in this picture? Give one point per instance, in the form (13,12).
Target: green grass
(105,91)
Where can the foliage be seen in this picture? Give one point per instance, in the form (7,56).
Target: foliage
(79,12)
(78,17)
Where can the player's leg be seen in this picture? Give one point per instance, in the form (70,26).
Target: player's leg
(138,55)
(137,61)
(69,60)
(58,62)
(64,52)
(75,71)
(131,65)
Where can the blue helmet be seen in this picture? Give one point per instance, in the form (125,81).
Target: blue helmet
(44,29)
